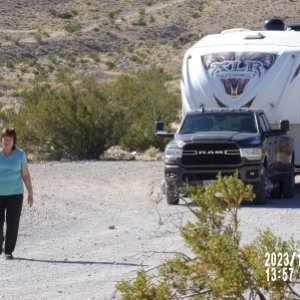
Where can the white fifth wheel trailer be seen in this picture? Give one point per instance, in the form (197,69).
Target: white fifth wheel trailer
(244,68)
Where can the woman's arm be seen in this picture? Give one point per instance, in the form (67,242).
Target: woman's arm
(27,180)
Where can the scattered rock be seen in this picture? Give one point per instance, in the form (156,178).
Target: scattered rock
(117,153)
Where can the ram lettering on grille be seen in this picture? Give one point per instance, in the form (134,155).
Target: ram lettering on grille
(211,154)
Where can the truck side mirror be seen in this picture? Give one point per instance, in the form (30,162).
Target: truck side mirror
(159,130)
(285,125)
(159,126)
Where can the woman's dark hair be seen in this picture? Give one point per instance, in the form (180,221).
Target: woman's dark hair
(11,133)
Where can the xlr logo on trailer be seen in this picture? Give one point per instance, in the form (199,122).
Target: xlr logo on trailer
(234,70)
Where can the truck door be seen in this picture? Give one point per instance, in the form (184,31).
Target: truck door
(269,142)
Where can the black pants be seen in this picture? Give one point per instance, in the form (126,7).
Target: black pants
(10,211)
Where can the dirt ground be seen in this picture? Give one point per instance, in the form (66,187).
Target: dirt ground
(96,223)
(93,224)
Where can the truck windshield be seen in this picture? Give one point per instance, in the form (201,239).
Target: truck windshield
(203,122)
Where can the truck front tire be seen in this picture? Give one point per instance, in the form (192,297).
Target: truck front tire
(172,195)
(260,190)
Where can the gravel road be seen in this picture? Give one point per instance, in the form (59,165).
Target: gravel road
(95,223)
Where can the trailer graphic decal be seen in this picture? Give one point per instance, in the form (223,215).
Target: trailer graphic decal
(235,70)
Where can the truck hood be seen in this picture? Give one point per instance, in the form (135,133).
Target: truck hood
(243,139)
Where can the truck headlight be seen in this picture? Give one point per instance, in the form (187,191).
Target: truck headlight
(173,153)
(251,153)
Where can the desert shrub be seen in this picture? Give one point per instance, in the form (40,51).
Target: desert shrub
(38,37)
(12,39)
(71,121)
(149,3)
(113,14)
(63,14)
(141,19)
(142,288)
(142,99)
(220,267)
(7,116)
(95,57)
(196,15)
(152,19)
(81,119)
(72,27)
(136,59)
(110,64)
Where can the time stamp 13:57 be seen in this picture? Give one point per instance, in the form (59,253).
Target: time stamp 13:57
(280,266)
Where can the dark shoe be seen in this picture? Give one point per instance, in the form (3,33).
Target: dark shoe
(9,256)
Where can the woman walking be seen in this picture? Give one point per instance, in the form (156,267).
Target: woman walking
(13,172)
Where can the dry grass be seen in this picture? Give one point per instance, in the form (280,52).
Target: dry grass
(108,37)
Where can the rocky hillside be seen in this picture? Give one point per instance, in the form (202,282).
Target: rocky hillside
(108,37)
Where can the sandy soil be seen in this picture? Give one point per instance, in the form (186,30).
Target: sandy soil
(95,223)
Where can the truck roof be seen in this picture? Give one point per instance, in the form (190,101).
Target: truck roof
(241,36)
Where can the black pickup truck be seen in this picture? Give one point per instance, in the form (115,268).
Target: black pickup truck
(210,141)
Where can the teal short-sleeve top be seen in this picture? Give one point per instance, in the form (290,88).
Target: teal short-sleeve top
(11,182)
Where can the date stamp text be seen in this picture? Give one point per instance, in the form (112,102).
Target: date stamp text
(280,266)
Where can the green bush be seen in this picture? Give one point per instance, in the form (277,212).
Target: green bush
(81,119)
(7,116)
(72,121)
(64,14)
(220,267)
(72,27)
(142,288)
(142,99)
(140,21)
(110,64)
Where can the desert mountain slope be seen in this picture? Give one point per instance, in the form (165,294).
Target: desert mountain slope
(126,35)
